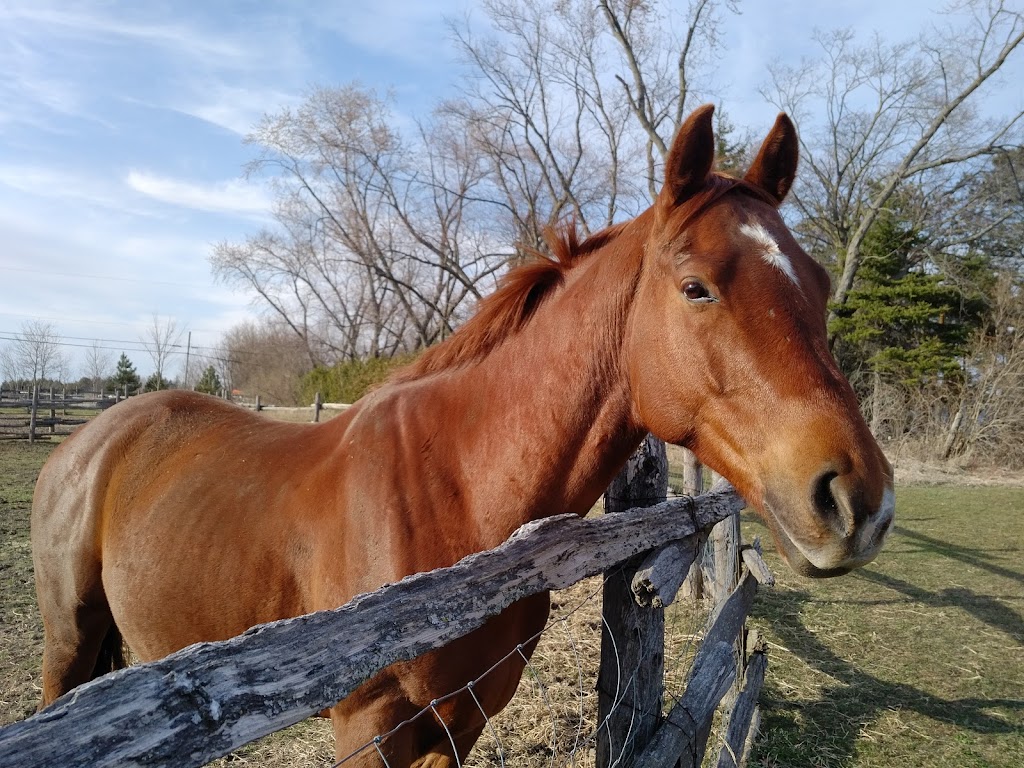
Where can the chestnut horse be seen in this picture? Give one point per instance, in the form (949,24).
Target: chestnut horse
(175,517)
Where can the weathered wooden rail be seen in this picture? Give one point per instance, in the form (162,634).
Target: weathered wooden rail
(210,698)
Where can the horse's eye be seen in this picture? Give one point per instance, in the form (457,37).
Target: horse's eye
(695,290)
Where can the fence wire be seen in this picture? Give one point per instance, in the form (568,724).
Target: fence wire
(552,719)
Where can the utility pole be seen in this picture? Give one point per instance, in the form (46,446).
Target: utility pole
(188,350)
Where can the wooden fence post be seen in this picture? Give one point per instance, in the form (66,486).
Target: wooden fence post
(693,474)
(317,404)
(630,679)
(722,557)
(693,485)
(721,574)
(53,413)
(32,414)
(257,404)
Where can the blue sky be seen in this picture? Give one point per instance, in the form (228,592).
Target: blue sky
(121,127)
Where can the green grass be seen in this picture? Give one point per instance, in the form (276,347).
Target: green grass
(915,660)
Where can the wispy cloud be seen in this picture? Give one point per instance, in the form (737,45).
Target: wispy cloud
(58,187)
(97,24)
(415,32)
(235,196)
(64,60)
(235,109)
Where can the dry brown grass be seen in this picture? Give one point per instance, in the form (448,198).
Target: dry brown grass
(912,471)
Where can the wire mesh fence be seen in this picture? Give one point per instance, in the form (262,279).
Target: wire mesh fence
(552,719)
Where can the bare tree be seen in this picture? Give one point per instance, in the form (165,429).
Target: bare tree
(98,364)
(265,360)
(161,340)
(989,421)
(384,239)
(34,354)
(664,69)
(876,117)
(372,252)
(570,107)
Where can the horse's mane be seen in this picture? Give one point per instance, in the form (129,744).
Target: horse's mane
(503,313)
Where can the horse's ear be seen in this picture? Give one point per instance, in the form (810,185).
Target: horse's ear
(774,168)
(690,159)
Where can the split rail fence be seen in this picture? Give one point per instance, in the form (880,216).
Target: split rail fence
(40,414)
(211,698)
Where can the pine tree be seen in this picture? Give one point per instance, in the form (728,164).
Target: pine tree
(125,375)
(904,320)
(209,382)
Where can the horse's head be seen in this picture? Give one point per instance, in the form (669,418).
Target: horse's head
(729,356)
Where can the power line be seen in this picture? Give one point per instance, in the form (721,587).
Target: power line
(87,276)
(130,346)
(87,322)
(208,353)
(8,334)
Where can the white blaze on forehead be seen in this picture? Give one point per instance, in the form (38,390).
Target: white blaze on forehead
(771,253)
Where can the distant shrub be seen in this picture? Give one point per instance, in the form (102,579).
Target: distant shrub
(347,381)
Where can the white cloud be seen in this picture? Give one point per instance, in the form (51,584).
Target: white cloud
(69,187)
(236,109)
(235,196)
(181,39)
(414,31)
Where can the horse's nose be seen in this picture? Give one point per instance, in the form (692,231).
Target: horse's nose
(849,508)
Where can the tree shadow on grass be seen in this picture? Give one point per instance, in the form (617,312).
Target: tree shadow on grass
(966,555)
(829,726)
(984,608)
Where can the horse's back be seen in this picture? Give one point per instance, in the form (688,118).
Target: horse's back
(120,451)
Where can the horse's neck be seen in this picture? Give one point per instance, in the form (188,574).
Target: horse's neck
(554,419)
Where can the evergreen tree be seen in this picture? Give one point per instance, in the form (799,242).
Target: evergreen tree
(209,382)
(733,153)
(125,375)
(904,320)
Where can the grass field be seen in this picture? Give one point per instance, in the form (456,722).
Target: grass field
(916,660)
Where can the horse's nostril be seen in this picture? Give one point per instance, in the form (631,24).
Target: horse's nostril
(824,501)
(881,532)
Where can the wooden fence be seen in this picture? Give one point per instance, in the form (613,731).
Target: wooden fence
(211,698)
(38,414)
(42,414)
(312,412)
